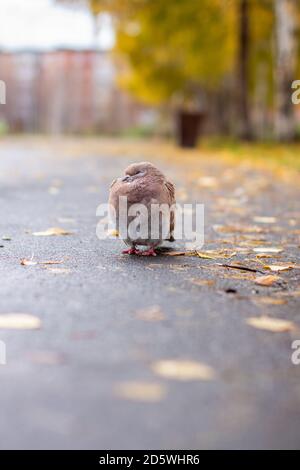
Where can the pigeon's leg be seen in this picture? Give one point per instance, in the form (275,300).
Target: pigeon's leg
(149,252)
(130,251)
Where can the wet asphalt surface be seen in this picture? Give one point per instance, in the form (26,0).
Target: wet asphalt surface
(59,388)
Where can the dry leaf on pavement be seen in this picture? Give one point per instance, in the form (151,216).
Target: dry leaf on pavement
(276,325)
(140,391)
(28,262)
(264,220)
(202,282)
(112,233)
(238,229)
(267,280)
(51,262)
(204,255)
(277,268)
(265,255)
(183,370)
(216,254)
(52,231)
(22,321)
(267,249)
(150,314)
(269,300)
(177,253)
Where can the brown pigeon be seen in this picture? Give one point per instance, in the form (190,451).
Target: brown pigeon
(144,184)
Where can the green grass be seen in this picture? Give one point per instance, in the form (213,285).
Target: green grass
(269,154)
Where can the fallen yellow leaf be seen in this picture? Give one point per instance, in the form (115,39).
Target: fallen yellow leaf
(22,321)
(202,282)
(268,280)
(276,268)
(216,254)
(140,391)
(52,231)
(265,220)
(276,325)
(177,253)
(28,262)
(204,255)
(112,233)
(150,314)
(269,300)
(183,370)
(50,262)
(267,249)
(238,229)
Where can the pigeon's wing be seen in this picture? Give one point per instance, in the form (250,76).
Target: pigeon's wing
(171,190)
(171,193)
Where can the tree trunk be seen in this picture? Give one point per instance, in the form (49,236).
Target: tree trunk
(244,42)
(286,49)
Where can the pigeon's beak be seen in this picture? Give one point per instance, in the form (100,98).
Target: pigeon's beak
(130,178)
(126,178)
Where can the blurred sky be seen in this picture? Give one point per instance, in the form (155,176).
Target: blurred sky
(42,24)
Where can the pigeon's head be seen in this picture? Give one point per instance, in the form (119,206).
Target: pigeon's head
(140,170)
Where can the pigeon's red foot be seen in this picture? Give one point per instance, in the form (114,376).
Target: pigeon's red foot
(150,252)
(129,251)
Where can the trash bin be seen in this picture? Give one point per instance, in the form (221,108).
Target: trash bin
(189,125)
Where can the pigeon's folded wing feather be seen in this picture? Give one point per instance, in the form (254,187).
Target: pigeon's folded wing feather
(171,191)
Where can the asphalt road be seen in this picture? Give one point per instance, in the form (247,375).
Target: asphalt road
(63,384)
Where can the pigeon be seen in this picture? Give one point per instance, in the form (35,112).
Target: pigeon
(145,184)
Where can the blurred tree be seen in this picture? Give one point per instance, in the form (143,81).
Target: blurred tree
(261,66)
(206,55)
(244,63)
(177,50)
(286,54)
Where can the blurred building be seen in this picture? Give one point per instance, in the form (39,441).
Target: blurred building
(65,91)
